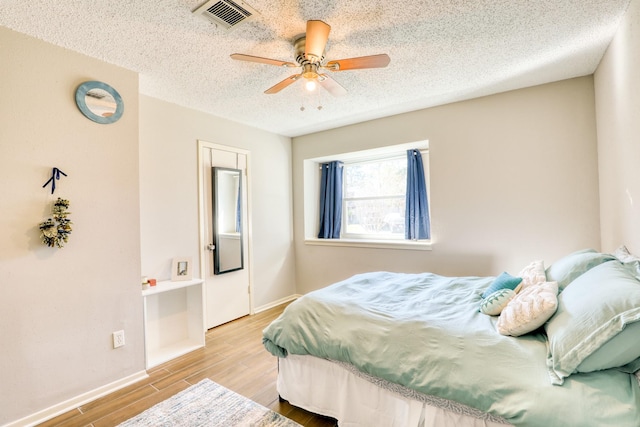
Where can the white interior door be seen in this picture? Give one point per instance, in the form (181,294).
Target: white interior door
(227,295)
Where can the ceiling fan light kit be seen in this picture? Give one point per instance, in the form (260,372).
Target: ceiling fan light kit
(309,52)
(310,85)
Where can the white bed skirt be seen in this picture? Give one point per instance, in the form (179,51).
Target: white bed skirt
(328,388)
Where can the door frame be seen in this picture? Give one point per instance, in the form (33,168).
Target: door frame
(203,251)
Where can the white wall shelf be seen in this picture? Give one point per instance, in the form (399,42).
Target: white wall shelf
(173,320)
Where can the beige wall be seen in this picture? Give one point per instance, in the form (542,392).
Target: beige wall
(514,178)
(169,194)
(134,203)
(617,88)
(59,306)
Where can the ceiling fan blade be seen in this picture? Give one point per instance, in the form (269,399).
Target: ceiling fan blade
(284,83)
(372,61)
(316,40)
(332,86)
(242,57)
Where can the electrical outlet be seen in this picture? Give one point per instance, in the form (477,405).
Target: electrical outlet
(118,339)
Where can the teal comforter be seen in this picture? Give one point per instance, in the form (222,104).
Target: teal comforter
(425,332)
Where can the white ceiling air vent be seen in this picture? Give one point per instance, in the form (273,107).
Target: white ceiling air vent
(227,14)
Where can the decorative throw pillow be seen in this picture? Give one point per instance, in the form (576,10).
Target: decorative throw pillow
(533,274)
(494,303)
(529,309)
(593,312)
(566,269)
(503,281)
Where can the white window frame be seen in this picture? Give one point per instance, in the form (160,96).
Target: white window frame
(312,173)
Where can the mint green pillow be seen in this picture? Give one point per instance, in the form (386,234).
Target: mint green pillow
(568,268)
(615,353)
(503,281)
(594,326)
(633,367)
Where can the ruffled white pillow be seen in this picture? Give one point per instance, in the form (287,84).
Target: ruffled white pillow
(533,274)
(529,309)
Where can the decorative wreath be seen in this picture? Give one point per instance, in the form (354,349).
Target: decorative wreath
(55,232)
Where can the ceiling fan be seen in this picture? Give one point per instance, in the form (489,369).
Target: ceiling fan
(309,54)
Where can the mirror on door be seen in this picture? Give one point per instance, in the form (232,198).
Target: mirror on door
(227,220)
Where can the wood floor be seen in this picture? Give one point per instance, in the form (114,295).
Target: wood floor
(233,357)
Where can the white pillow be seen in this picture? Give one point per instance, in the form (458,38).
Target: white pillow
(629,260)
(529,309)
(496,302)
(623,254)
(533,274)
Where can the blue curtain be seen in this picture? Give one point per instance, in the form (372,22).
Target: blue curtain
(331,201)
(416,221)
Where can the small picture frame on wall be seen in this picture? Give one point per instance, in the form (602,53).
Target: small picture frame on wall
(181,269)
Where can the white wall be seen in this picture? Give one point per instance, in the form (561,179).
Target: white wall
(617,88)
(514,178)
(59,306)
(169,194)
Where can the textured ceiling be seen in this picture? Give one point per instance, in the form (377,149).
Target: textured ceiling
(441,51)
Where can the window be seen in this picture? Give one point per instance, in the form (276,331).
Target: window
(373,198)
(373,203)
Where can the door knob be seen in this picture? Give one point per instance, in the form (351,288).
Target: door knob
(211,247)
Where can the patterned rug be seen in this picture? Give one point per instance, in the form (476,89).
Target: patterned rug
(208,404)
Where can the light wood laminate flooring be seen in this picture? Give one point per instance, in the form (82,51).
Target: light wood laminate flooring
(233,357)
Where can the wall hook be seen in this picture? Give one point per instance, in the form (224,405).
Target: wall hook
(54,176)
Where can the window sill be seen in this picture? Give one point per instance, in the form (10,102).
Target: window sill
(375,244)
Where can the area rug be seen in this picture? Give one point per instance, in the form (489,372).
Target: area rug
(209,404)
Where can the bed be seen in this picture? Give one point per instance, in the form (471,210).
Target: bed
(396,349)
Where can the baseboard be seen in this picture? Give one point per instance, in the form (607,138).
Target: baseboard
(67,405)
(276,303)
